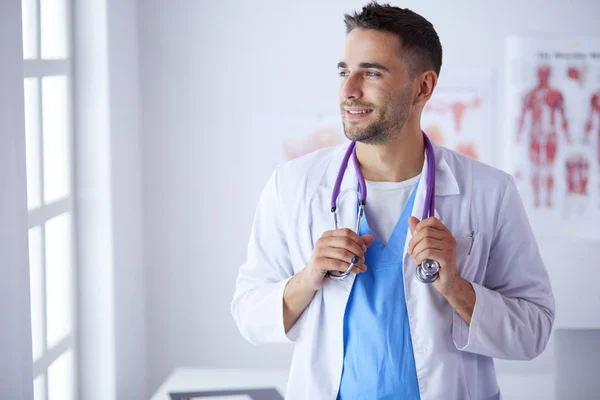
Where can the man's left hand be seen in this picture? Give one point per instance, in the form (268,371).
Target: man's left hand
(432,240)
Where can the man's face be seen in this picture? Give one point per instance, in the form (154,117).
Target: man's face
(375,87)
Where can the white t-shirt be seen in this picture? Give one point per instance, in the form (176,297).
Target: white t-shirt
(385,203)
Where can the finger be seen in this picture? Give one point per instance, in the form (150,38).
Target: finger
(428,232)
(340,254)
(431,222)
(333,266)
(356,269)
(429,244)
(412,224)
(368,239)
(346,233)
(337,267)
(340,273)
(430,254)
(344,243)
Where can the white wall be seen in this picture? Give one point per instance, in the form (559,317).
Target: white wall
(111,305)
(130,298)
(205,69)
(16,375)
(94,225)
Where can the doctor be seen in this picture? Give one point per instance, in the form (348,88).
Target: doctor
(381,333)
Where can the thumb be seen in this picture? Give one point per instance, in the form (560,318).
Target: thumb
(369,239)
(412,224)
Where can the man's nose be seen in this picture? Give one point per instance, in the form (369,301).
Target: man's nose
(352,87)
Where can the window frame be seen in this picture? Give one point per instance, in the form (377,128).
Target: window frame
(39,68)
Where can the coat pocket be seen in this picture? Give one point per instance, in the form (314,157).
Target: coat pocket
(469,250)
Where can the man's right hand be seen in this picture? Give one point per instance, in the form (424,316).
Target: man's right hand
(334,251)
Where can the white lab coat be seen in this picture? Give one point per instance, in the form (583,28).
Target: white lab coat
(514,308)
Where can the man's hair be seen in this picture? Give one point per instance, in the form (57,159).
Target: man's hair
(419,40)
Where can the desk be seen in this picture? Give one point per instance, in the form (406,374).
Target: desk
(513,386)
(200,379)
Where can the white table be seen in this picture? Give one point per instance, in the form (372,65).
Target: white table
(205,379)
(513,386)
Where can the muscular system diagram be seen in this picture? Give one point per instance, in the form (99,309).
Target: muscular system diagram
(577,168)
(594,114)
(552,132)
(546,107)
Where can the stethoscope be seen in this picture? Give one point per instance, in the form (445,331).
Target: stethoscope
(428,270)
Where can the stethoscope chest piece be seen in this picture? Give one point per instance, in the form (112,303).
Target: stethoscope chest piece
(428,271)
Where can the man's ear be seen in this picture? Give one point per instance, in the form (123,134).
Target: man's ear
(427,81)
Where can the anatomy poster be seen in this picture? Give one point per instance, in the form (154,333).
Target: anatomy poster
(284,137)
(458,115)
(553,132)
(306,135)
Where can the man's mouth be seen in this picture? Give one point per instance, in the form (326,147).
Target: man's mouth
(354,113)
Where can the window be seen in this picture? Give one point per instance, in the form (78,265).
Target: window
(49,138)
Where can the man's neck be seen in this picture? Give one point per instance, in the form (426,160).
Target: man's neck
(397,160)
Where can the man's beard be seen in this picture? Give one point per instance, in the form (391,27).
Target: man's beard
(390,119)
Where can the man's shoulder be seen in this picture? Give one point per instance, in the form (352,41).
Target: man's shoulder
(311,165)
(302,175)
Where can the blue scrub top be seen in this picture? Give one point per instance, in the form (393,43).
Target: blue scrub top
(378,356)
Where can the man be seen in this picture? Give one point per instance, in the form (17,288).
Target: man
(381,333)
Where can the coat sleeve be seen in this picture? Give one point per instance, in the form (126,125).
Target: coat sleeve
(514,309)
(257,305)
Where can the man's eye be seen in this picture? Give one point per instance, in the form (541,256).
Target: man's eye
(343,73)
(372,74)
